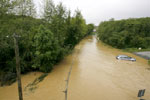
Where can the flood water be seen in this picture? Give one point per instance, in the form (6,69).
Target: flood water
(96,75)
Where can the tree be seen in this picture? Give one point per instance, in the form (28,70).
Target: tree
(49,10)
(25,8)
(59,23)
(130,33)
(77,28)
(47,49)
(44,42)
(6,6)
(80,25)
(30,7)
(90,28)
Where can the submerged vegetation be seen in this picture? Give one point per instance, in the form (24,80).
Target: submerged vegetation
(42,42)
(32,86)
(129,34)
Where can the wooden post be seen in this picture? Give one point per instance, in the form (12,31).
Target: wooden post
(18,67)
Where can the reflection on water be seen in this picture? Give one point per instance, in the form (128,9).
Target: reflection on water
(96,75)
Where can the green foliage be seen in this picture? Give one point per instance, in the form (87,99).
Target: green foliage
(130,33)
(76,28)
(42,42)
(47,49)
(5,6)
(135,50)
(90,28)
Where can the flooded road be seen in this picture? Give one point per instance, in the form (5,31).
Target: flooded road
(96,75)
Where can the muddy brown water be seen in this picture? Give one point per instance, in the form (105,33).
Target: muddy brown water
(96,75)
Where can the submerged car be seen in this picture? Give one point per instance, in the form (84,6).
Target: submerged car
(124,57)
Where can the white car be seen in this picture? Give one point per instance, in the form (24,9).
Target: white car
(124,57)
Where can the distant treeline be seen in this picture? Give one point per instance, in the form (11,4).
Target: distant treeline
(42,42)
(130,33)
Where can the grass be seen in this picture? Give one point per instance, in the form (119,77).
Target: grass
(135,50)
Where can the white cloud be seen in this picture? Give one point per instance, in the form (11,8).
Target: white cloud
(95,11)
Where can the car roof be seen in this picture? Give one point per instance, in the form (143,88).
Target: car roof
(122,55)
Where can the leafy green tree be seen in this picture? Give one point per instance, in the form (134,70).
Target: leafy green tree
(49,10)
(31,11)
(47,49)
(25,8)
(90,28)
(43,42)
(6,6)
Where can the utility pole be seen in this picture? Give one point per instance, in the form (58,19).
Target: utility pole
(17,56)
(18,66)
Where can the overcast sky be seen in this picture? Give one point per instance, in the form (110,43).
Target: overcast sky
(95,11)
